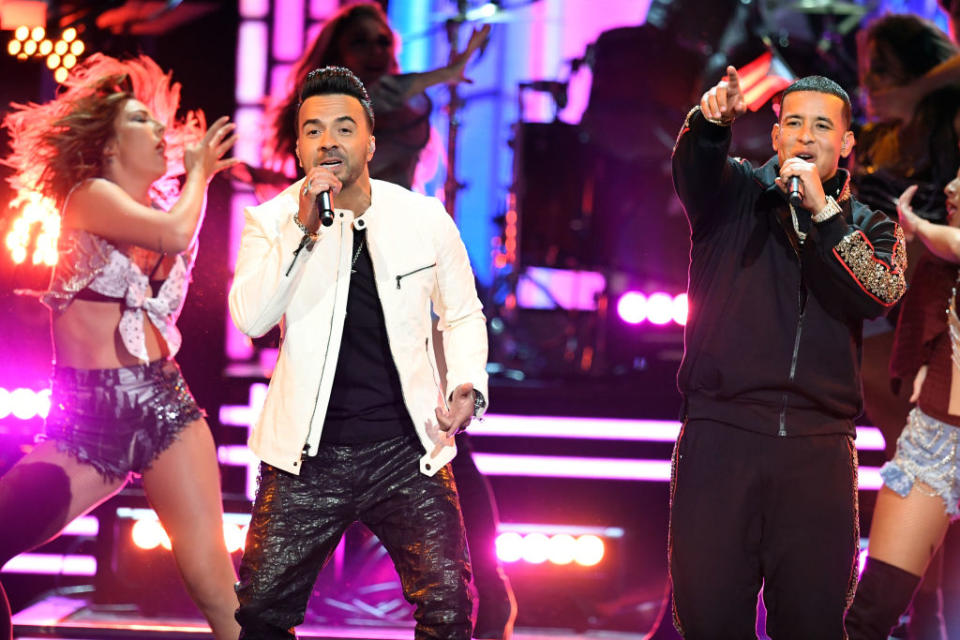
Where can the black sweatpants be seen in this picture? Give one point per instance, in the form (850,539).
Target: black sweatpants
(749,509)
(298,521)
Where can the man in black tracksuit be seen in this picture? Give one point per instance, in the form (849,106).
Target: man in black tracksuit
(764,485)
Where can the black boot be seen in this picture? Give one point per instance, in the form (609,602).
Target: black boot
(496,604)
(883,594)
(496,609)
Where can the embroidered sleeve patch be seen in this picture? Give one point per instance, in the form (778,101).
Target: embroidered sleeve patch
(883,282)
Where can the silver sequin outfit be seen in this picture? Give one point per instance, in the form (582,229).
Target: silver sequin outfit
(927,450)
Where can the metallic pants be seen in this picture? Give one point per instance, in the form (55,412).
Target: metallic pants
(119,420)
(299,520)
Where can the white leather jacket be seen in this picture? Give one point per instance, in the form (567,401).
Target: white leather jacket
(418,258)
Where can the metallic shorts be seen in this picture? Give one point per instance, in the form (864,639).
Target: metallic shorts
(119,420)
(927,452)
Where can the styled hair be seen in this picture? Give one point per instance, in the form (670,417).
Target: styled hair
(326,51)
(819,84)
(330,81)
(60,143)
(917,43)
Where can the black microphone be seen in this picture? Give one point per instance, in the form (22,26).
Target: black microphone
(794,192)
(325,205)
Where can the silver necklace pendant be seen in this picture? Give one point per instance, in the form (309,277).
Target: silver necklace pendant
(356,255)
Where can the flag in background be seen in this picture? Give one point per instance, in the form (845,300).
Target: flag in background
(763,78)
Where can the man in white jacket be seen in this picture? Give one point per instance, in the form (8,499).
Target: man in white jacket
(355,425)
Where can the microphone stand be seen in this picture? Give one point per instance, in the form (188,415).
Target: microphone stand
(451,185)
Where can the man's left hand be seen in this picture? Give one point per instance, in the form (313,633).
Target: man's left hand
(814,199)
(458,416)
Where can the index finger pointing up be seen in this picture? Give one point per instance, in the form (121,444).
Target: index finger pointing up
(733,79)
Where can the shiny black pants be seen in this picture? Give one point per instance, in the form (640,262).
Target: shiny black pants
(299,520)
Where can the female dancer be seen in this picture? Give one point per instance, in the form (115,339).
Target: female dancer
(119,405)
(921,488)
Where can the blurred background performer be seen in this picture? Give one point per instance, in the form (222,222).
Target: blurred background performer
(119,404)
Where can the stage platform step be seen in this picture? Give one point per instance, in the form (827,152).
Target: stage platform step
(74,619)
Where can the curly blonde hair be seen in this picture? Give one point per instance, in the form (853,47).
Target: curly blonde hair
(60,143)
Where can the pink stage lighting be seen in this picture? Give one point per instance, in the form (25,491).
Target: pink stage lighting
(509,546)
(24,403)
(680,309)
(632,307)
(589,550)
(561,549)
(660,308)
(534,548)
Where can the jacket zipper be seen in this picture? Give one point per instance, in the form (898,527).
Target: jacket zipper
(401,277)
(326,354)
(782,431)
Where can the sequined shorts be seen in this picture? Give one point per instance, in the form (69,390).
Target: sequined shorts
(119,420)
(927,452)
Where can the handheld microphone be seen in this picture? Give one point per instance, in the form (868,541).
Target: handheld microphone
(325,205)
(794,192)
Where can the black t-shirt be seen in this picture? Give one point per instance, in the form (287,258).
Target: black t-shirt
(366,402)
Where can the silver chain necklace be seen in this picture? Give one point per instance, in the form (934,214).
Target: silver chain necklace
(356,255)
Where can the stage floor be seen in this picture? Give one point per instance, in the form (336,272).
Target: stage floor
(72,619)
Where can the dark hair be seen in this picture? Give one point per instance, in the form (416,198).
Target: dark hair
(334,80)
(325,51)
(918,44)
(819,84)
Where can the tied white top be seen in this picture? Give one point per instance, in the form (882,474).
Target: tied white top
(88,261)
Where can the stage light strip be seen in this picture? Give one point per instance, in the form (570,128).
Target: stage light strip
(499,464)
(556,529)
(52,564)
(868,438)
(526,466)
(83,526)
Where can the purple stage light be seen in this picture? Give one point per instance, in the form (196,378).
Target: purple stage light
(288,29)
(586,428)
(24,404)
(52,564)
(660,308)
(868,438)
(632,307)
(500,464)
(509,546)
(545,288)
(252,38)
(680,309)
(533,549)
(560,549)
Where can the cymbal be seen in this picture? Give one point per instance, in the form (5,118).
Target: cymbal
(438,20)
(829,7)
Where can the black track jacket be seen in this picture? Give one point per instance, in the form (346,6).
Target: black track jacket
(774,333)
